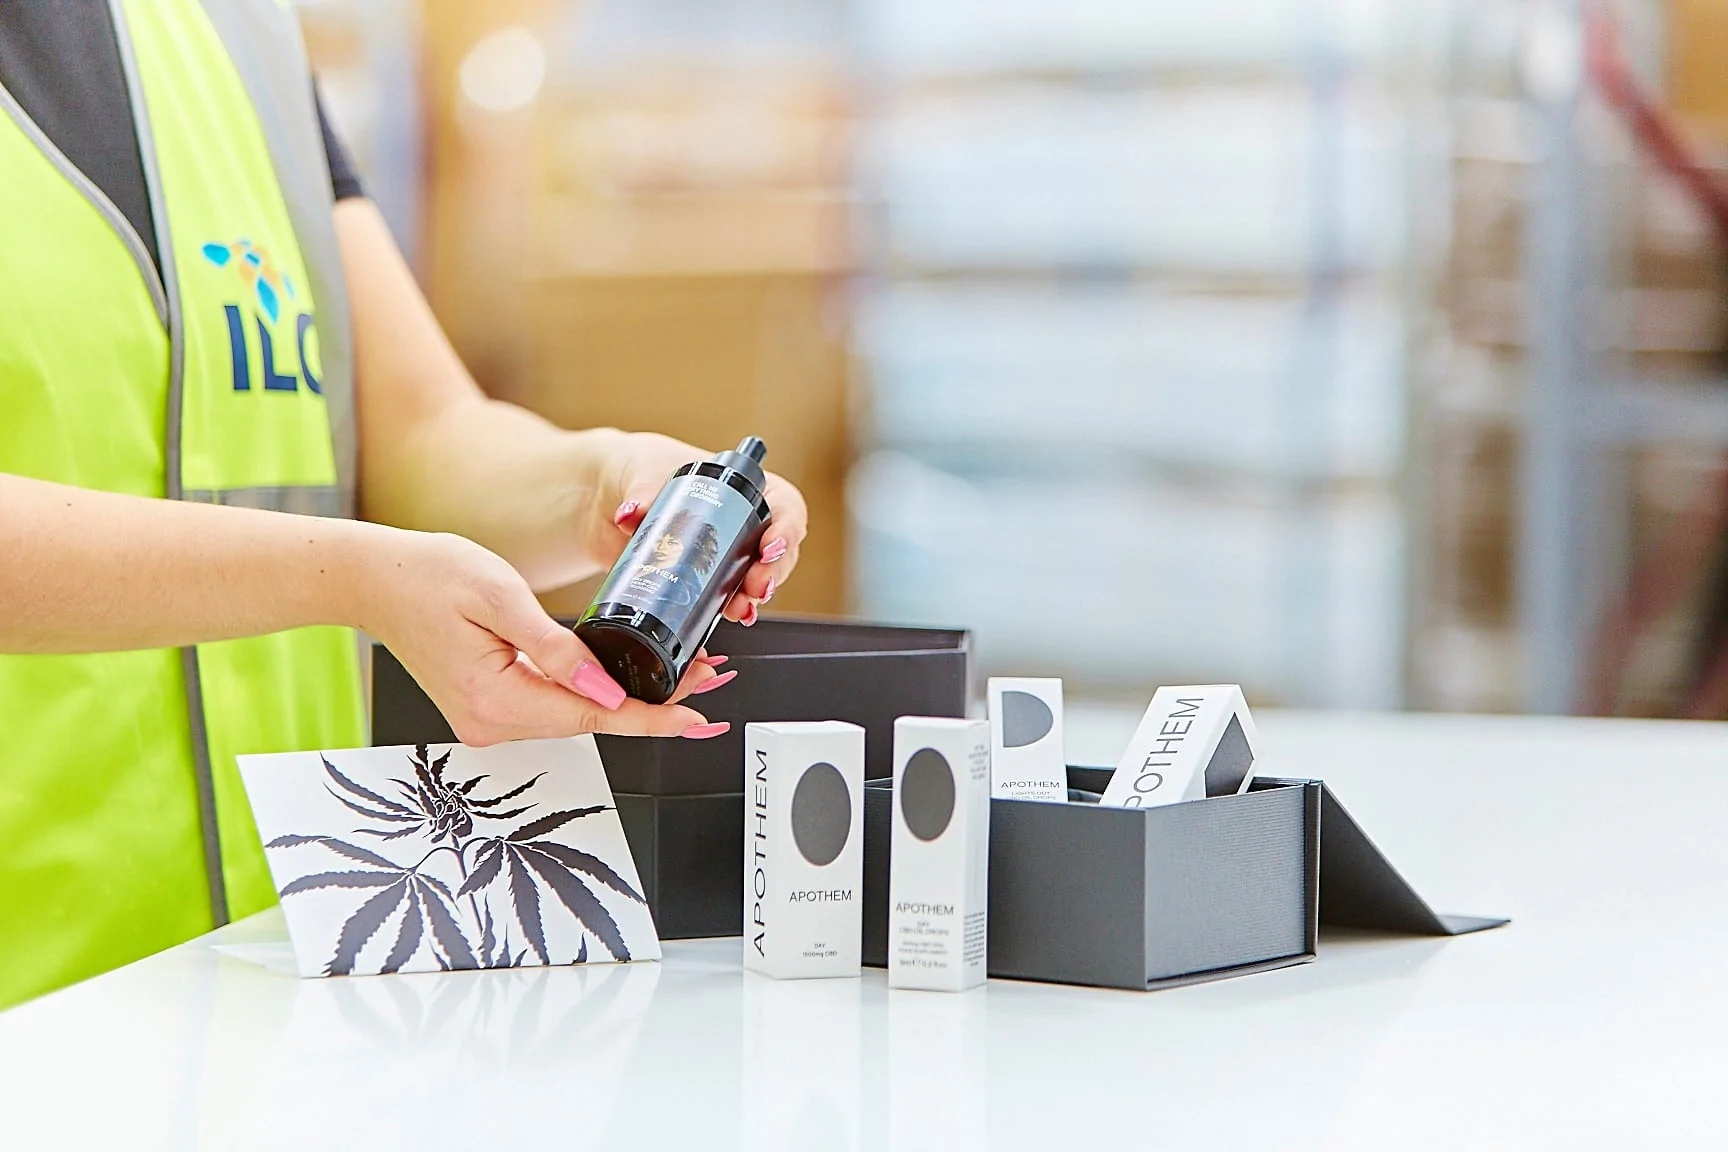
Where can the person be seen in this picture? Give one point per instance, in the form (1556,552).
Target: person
(233,434)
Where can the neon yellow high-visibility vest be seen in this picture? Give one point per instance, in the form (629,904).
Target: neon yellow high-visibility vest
(225,378)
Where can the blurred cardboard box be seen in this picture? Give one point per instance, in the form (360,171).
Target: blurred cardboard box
(1668,277)
(1042,368)
(1207,180)
(654,242)
(681,234)
(996,548)
(709,360)
(673,172)
(1474,486)
(1698,61)
(654,130)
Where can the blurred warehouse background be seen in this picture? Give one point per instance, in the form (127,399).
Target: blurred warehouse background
(1367,352)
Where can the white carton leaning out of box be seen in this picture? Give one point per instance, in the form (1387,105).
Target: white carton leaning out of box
(803,848)
(939,867)
(1194,741)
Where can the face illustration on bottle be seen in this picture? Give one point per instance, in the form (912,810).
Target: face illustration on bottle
(688,540)
(667,549)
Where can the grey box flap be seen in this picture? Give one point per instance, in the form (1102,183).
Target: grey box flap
(1359,887)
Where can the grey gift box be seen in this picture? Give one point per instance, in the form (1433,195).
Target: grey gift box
(682,801)
(1148,898)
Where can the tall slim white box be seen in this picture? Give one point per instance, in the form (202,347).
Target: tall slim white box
(938,870)
(1026,754)
(803,848)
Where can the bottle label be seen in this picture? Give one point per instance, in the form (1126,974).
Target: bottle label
(680,553)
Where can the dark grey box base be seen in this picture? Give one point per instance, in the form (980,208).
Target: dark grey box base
(1161,897)
(681,801)
(788,669)
(1129,897)
(689,852)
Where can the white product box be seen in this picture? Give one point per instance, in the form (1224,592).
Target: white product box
(1026,757)
(1194,741)
(803,848)
(938,871)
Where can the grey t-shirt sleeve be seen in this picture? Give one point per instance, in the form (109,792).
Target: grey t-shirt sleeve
(344,179)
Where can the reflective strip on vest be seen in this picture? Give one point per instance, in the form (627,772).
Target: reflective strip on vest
(302,500)
(263,40)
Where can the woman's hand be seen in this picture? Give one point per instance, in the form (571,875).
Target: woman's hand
(468,628)
(646,461)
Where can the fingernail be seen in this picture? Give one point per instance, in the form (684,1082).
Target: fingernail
(749,617)
(625,511)
(591,681)
(719,681)
(713,661)
(768,594)
(705,731)
(773,550)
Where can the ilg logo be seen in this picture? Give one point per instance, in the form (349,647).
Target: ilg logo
(272,289)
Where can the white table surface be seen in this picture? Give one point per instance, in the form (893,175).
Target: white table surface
(1598,1019)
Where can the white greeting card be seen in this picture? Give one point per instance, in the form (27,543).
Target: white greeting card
(422,859)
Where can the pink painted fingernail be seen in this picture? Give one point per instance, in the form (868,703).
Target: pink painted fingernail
(719,681)
(749,617)
(713,661)
(768,594)
(625,511)
(705,731)
(773,550)
(592,681)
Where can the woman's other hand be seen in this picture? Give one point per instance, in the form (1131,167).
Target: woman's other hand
(468,628)
(647,461)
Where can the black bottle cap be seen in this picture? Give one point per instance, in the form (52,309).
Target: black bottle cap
(746,459)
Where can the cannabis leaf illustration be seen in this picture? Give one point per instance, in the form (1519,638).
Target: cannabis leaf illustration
(522,858)
(434,807)
(458,925)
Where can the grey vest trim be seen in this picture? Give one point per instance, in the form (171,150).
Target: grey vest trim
(98,200)
(302,501)
(203,775)
(263,39)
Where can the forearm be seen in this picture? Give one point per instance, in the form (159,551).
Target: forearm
(437,455)
(84,571)
(504,478)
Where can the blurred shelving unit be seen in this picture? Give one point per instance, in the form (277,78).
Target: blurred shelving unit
(1573,410)
(1591,401)
(1344,348)
(1136,321)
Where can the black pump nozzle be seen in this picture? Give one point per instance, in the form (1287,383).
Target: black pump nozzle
(747,459)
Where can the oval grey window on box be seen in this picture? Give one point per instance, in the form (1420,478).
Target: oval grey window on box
(927,794)
(821,814)
(1025,719)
